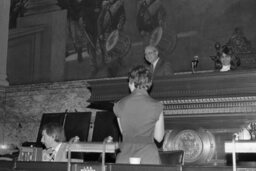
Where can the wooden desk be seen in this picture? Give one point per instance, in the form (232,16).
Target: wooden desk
(62,166)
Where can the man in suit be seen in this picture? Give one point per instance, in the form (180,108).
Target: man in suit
(159,66)
(53,137)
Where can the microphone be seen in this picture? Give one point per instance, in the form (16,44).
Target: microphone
(194,63)
(235,136)
(74,139)
(108,139)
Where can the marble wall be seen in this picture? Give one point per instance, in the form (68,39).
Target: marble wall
(22,107)
(2,112)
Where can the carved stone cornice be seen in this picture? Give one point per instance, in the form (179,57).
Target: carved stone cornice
(211,106)
(205,94)
(189,86)
(246,104)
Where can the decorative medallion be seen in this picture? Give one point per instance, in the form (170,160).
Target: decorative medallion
(190,142)
(198,145)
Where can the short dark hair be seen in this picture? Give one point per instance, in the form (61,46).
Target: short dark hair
(235,61)
(141,76)
(227,50)
(56,130)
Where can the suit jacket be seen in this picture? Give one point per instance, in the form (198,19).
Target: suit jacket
(60,156)
(163,68)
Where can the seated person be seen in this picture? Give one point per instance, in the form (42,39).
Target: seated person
(228,61)
(159,66)
(53,137)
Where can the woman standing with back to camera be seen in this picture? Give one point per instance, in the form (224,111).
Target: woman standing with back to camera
(140,119)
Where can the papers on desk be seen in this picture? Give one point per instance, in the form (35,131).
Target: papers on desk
(240,146)
(93,147)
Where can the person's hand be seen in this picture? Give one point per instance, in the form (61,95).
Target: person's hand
(108,139)
(74,139)
(46,156)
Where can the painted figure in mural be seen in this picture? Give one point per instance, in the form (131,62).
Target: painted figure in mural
(151,14)
(152,26)
(239,42)
(159,66)
(140,119)
(91,13)
(75,26)
(17,9)
(54,139)
(112,17)
(90,22)
(82,25)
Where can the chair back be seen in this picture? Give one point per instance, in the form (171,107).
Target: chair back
(175,157)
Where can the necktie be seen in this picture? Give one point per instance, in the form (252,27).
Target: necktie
(152,68)
(52,155)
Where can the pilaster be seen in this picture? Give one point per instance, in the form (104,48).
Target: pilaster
(48,14)
(4,23)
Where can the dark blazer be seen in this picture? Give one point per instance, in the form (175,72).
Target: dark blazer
(163,68)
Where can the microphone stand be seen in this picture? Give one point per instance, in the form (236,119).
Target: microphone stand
(103,156)
(194,64)
(108,139)
(71,141)
(234,151)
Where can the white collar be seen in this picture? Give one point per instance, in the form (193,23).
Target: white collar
(57,147)
(225,68)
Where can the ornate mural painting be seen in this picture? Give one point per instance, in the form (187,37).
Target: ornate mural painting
(153,27)
(105,38)
(96,38)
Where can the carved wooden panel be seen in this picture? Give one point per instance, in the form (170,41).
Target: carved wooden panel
(23,60)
